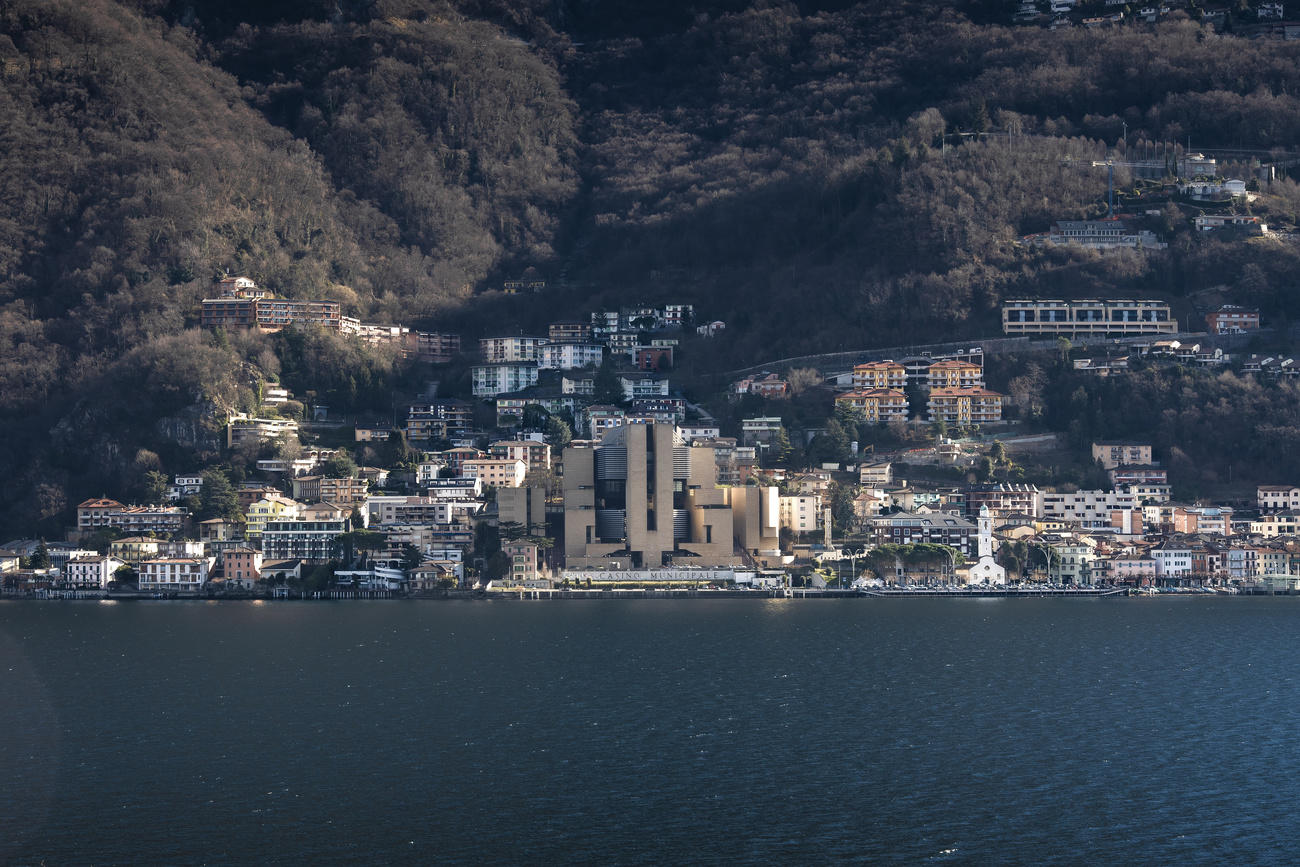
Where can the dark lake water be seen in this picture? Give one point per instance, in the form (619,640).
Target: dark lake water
(795,731)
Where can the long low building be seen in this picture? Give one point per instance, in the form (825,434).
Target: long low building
(1087,317)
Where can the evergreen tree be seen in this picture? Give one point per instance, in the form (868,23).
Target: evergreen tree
(217,499)
(781,448)
(396,451)
(558,433)
(155,486)
(340,466)
(41,557)
(608,387)
(534,416)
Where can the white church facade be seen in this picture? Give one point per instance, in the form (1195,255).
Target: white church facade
(985,570)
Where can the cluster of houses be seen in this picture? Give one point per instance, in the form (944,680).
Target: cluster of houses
(1129,535)
(641,340)
(240,304)
(954,389)
(556,373)
(1263,18)
(660,501)
(641,491)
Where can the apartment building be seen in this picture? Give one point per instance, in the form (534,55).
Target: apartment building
(274,314)
(570,356)
(344,492)
(1087,317)
(241,427)
(103,512)
(497,472)
(761,430)
(801,513)
(241,565)
(501,350)
(965,405)
(1087,508)
(934,528)
(569,332)
(92,571)
(1122,453)
(134,550)
(1124,476)
(489,380)
(228,312)
(436,347)
(296,539)
(876,474)
(1275,498)
(1231,319)
(678,315)
(272,507)
(173,575)
(692,432)
(524,561)
(879,374)
(535,455)
(638,385)
(1004,499)
(1103,234)
(875,404)
(952,373)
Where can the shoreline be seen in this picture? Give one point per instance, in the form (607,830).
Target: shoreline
(558,594)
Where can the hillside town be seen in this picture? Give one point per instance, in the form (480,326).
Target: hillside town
(576,463)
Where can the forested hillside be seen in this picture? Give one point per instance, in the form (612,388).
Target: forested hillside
(819,175)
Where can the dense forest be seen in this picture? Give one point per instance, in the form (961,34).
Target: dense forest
(820,175)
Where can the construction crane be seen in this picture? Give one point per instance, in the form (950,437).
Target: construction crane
(1110,179)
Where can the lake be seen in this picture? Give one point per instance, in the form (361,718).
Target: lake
(638,731)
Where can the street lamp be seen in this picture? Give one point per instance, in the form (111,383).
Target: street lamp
(853,552)
(1047,557)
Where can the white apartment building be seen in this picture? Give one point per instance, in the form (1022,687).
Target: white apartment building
(490,380)
(460,488)
(240,427)
(1149,493)
(1276,498)
(1074,565)
(302,539)
(569,356)
(583,386)
(1087,508)
(643,386)
(421,510)
(1173,560)
(692,432)
(94,571)
(497,350)
(174,575)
